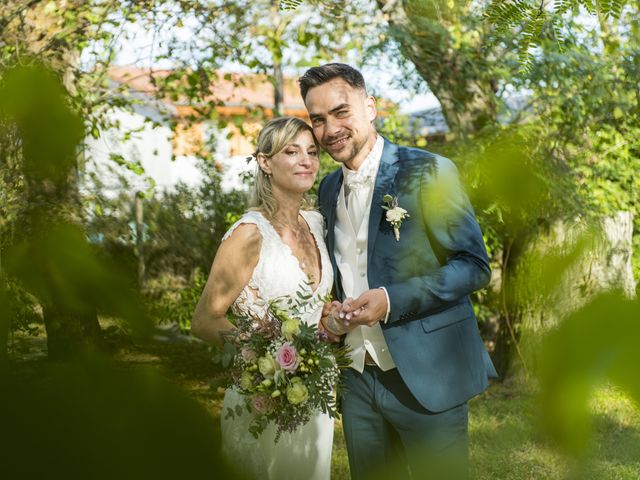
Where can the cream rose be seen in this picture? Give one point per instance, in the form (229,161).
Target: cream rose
(246,380)
(297,393)
(290,328)
(267,366)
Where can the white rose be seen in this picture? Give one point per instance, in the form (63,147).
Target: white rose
(396,214)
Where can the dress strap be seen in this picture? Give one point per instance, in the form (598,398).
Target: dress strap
(315,220)
(252,217)
(257,282)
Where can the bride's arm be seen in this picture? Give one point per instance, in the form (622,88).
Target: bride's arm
(232,268)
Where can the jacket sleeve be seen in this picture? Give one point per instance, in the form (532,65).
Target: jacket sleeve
(456,239)
(321,191)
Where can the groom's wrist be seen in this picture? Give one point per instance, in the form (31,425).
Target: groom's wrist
(386,316)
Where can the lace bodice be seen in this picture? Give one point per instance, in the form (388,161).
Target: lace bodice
(278,272)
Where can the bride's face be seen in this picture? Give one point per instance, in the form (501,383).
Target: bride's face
(295,167)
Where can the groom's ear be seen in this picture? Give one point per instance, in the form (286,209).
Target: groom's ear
(372,111)
(263,164)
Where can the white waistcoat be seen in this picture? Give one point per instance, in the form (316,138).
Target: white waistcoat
(351,259)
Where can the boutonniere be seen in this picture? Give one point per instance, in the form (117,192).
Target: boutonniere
(395,214)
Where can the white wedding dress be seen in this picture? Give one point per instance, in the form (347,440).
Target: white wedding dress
(306,453)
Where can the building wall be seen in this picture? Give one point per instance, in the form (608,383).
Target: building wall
(149,146)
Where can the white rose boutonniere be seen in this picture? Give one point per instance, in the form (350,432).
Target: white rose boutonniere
(395,214)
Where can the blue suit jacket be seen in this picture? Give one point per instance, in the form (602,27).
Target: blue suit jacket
(440,259)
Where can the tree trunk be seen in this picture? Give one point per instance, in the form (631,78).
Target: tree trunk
(456,76)
(612,265)
(275,44)
(602,264)
(139,214)
(508,334)
(5,324)
(278,89)
(35,27)
(70,332)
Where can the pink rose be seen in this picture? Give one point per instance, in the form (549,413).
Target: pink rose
(261,404)
(287,357)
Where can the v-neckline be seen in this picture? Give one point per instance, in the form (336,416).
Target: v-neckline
(296,259)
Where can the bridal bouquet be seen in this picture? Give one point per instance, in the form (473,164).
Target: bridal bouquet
(285,369)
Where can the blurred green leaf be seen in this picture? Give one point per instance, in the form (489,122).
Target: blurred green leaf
(60,268)
(33,98)
(94,419)
(597,343)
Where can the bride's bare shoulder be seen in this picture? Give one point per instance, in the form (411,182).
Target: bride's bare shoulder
(245,237)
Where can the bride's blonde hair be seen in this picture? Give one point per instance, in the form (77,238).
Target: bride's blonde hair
(273,138)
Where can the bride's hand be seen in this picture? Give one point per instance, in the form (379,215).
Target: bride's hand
(330,323)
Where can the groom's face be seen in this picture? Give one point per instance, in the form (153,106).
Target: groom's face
(341,117)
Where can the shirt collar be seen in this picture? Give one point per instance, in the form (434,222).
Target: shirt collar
(369,168)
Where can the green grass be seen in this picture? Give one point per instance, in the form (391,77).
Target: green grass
(505,442)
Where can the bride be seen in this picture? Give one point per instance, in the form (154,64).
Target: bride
(270,252)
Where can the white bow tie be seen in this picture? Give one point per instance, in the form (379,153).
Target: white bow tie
(356,180)
(365,175)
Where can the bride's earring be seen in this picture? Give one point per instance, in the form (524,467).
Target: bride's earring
(262,161)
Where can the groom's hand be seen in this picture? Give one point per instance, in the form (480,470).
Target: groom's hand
(368,309)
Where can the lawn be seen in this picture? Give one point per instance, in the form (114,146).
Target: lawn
(505,443)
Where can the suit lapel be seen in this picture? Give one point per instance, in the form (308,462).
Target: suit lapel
(329,204)
(384,185)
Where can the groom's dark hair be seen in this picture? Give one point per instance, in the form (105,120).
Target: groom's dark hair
(324,73)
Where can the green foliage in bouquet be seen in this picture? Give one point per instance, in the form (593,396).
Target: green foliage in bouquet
(285,368)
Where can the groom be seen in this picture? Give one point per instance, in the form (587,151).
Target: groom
(406,251)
